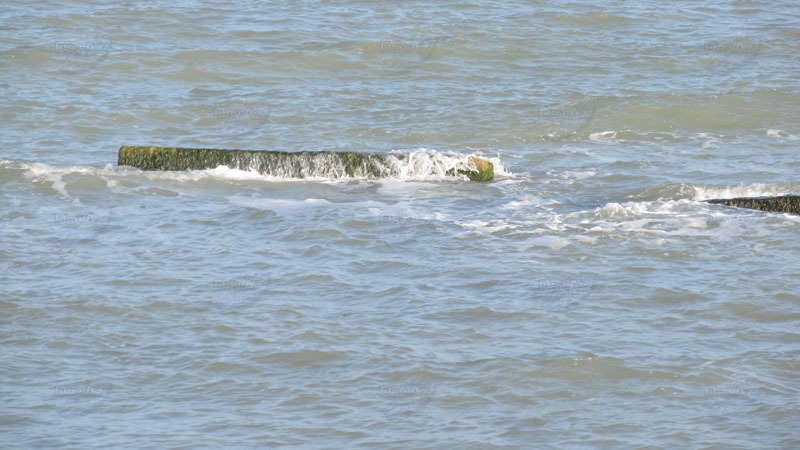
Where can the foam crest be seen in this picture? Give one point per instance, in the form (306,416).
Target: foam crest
(742,190)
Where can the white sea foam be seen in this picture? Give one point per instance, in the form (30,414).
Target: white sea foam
(604,137)
(742,190)
(780,135)
(677,218)
(424,164)
(44,172)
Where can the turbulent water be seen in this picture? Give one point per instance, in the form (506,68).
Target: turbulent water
(587,297)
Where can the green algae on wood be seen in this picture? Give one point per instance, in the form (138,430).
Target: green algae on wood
(479,169)
(283,164)
(171,158)
(485,169)
(784,203)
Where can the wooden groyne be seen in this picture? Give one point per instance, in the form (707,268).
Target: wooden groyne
(784,203)
(324,164)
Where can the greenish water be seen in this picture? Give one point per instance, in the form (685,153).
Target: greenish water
(586,298)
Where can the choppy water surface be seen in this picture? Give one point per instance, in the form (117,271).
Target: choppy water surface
(585,298)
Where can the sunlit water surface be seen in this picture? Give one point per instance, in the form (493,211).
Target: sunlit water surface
(586,298)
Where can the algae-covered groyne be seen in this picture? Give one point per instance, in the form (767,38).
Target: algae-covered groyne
(322,164)
(785,203)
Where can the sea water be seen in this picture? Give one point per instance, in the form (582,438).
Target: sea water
(587,297)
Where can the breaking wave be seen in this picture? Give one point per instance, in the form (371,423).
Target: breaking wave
(416,165)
